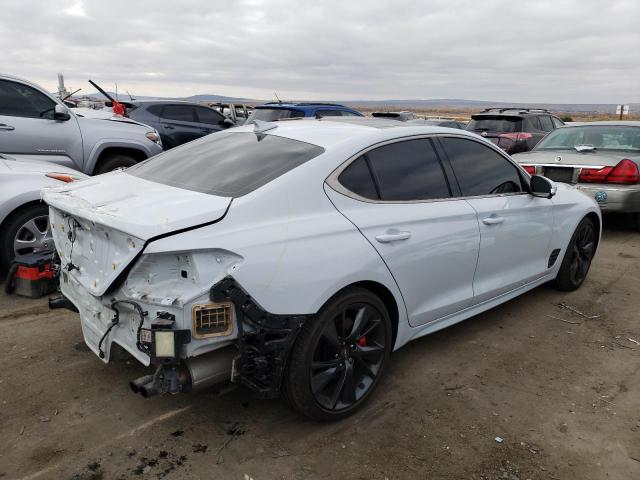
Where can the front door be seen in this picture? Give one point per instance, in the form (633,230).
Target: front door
(397,195)
(27,127)
(515,227)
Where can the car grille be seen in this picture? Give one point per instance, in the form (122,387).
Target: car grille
(559,174)
(212,320)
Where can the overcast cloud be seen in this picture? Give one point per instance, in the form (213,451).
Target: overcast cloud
(569,51)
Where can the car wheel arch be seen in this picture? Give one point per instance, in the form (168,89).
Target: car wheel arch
(384,294)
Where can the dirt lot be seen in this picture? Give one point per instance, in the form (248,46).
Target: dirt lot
(562,391)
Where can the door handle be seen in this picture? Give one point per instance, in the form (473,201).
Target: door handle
(492,220)
(168,127)
(393,237)
(4,126)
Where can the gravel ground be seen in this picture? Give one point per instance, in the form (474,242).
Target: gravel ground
(528,390)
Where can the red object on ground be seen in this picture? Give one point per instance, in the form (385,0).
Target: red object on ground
(35,273)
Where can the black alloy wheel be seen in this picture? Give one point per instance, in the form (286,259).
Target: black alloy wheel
(578,257)
(339,357)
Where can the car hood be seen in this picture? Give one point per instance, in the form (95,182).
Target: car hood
(568,157)
(100,225)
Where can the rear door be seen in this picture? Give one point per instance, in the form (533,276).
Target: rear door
(27,127)
(179,125)
(515,227)
(398,196)
(210,121)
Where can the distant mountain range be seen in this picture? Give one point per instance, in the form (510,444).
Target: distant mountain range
(399,104)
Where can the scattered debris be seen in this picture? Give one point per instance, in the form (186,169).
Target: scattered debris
(199,448)
(563,320)
(455,387)
(499,439)
(633,341)
(578,312)
(177,433)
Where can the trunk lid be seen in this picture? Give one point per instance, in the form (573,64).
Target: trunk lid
(560,158)
(101,224)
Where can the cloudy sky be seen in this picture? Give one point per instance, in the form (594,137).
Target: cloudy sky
(569,51)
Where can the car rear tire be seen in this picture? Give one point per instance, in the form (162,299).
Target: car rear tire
(577,258)
(112,162)
(339,356)
(25,231)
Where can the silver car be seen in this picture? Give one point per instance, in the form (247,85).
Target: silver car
(24,218)
(599,158)
(35,124)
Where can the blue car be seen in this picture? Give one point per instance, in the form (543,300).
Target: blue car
(272,111)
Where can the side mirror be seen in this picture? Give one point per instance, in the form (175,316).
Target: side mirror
(227,122)
(542,187)
(61,113)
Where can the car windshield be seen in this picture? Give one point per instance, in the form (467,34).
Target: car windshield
(598,137)
(226,164)
(272,114)
(494,124)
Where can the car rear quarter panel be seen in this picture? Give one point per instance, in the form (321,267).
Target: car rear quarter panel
(297,249)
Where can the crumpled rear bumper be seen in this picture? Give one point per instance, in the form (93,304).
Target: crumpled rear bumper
(613,198)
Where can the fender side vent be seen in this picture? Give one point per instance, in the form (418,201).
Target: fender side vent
(553,257)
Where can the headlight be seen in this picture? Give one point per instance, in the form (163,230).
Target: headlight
(153,136)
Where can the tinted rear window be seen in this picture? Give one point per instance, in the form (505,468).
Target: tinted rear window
(271,114)
(494,124)
(227,164)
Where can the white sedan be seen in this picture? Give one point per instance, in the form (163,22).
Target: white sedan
(292,257)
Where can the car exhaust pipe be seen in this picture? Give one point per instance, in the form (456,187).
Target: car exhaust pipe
(62,302)
(195,374)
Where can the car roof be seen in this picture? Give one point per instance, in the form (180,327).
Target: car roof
(300,105)
(608,123)
(329,132)
(165,102)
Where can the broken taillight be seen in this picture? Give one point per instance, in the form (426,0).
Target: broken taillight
(625,172)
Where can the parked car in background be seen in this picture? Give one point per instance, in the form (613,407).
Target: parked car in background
(439,122)
(24,217)
(36,125)
(514,129)
(236,112)
(303,253)
(178,122)
(279,110)
(400,116)
(599,158)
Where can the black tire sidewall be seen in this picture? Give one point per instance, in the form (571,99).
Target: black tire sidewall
(115,161)
(11,226)
(563,279)
(297,382)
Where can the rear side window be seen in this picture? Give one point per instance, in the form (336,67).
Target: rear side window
(556,122)
(180,113)
(155,110)
(271,114)
(402,171)
(545,122)
(227,164)
(480,170)
(208,116)
(328,113)
(357,178)
(18,100)
(531,124)
(487,123)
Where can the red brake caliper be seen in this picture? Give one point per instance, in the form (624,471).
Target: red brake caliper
(362,341)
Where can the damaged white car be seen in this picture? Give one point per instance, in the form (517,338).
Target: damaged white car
(293,257)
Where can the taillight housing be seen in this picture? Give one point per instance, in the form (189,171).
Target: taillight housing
(624,173)
(530,169)
(516,137)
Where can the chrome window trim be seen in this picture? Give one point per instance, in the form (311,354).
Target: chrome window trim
(332,179)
